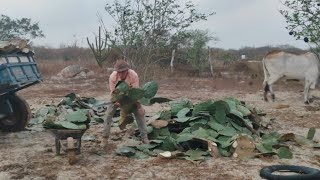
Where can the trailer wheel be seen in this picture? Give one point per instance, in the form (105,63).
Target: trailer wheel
(20,117)
(301,172)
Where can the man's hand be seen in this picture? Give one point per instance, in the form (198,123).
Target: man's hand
(116,104)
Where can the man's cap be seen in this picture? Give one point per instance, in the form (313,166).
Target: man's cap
(121,65)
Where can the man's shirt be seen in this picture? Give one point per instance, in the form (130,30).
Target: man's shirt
(132,79)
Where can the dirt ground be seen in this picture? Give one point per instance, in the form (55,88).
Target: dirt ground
(31,154)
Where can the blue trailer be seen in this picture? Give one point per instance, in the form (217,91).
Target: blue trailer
(18,70)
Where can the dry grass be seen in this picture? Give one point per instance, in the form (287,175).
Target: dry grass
(50,68)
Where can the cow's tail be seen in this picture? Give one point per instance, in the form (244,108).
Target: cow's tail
(266,73)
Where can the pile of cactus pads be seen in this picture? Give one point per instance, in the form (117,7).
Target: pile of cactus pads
(226,127)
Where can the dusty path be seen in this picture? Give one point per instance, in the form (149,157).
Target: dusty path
(30,154)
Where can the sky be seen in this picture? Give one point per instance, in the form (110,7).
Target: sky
(237,23)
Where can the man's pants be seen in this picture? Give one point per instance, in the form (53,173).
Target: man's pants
(139,116)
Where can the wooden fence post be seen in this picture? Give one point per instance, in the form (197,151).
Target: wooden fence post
(210,60)
(172,59)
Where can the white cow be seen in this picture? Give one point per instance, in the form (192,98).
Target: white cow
(278,64)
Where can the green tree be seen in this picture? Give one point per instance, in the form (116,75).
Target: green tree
(197,52)
(303,19)
(147,31)
(22,28)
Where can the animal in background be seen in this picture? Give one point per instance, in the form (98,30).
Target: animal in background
(279,64)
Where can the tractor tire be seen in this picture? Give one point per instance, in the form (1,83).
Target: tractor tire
(302,172)
(18,120)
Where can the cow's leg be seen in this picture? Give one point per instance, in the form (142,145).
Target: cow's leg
(266,90)
(270,82)
(272,93)
(306,91)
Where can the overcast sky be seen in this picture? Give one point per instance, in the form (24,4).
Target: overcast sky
(237,23)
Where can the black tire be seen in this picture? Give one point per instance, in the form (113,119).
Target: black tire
(303,172)
(20,117)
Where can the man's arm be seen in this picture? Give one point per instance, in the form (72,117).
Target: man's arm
(134,79)
(112,81)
